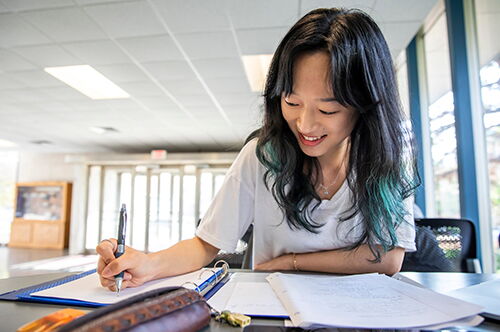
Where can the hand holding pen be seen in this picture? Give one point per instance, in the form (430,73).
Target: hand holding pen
(120,250)
(119,269)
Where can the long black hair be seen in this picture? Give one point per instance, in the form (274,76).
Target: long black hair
(381,169)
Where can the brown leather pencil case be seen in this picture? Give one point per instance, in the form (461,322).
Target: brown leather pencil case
(166,309)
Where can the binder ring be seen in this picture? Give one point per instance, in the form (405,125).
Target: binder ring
(209,270)
(192,283)
(225,265)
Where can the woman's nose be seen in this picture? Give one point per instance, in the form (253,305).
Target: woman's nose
(306,122)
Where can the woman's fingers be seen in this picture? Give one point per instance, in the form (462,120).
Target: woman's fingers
(106,282)
(106,249)
(131,263)
(124,262)
(125,284)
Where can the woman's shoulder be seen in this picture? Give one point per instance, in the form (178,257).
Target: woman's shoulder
(247,160)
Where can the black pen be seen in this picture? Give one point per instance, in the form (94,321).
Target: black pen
(121,245)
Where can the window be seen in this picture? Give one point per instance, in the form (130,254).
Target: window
(442,122)
(402,78)
(488,25)
(163,203)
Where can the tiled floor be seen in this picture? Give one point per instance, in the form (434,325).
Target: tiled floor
(13,256)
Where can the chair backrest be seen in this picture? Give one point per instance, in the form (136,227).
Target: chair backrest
(247,256)
(239,259)
(429,257)
(456,239)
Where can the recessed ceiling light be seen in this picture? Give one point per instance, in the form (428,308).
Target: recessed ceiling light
(41,142)
(7,144)
(88,81)
(103,130)
(256,68)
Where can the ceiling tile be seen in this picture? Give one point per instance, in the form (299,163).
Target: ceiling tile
(399,11)
(137,16)
(399,35)
(119,104)
(15,31)
(142,89)
(260,41)
(203,15)
(20,5)
(27,95)
(47,55)
(5,98)
(229,85)
(121,73)
(205,111)
(201,99)
(245,117)
(3,8)
(188,87)
(220,67)
(86,105)
(65,24)
(53,106)
(249,99)
(263,13)
(101,52)
(364,5)
(37,79)
(205,45)
(11,62)
(170,70)
(64,93)
(152,48)
(159,103)
(9,82)
(92,2)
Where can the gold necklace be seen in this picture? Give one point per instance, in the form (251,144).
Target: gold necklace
(325,189)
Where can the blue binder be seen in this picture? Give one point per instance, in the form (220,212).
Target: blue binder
(209,287)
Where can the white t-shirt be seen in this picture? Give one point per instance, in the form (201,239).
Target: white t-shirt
(243,199)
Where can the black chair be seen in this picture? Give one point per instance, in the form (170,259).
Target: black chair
(235,260)
(443,245)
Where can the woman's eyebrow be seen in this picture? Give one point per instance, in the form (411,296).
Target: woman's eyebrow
(328,99)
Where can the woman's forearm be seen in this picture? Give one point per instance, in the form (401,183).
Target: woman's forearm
(185,256)
(353,261)
(338,261)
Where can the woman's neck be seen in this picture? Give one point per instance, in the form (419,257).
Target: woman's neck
(333,161)
(333,171)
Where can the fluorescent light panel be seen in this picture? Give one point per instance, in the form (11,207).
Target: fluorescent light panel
(256,68)
(7,144)
(88,81)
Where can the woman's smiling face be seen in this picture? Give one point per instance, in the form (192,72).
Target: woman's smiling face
(318,121)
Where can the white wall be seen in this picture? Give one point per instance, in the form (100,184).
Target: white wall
(44,167)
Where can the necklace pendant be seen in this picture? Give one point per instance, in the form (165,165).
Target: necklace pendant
(326,192)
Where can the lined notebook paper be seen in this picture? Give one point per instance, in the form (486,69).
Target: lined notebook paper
(364,301)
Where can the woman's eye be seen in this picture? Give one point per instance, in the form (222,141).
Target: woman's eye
(290,103)
(328,113)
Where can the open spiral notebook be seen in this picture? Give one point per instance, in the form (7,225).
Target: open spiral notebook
(84,289)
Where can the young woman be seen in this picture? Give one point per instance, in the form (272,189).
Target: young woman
(327,182)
